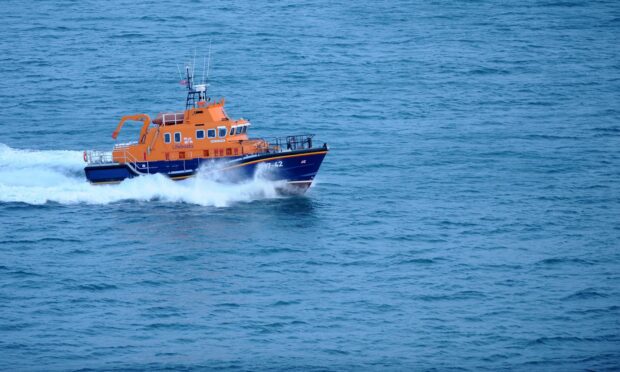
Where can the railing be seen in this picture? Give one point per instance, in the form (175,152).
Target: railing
(173,118)
(106,157)
(290,143)
(99,157)
(123,145)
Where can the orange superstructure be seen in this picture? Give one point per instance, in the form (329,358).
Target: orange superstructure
(202,132)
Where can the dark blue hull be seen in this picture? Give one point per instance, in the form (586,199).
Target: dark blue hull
(295,167)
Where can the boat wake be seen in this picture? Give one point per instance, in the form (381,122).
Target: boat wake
(40,177)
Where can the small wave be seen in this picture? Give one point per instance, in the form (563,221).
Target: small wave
(462,295)
(553,340)
(38,241)
(489,71)
(79,251)
(96,287)
(129,35)
(285,303)
(41,177)
(175,326)
(335,352)
(228,304)
(15,327)
(22,274)
(563,260)
(550,137)
(563,4)
(585,294)
(416,261)
(613,130)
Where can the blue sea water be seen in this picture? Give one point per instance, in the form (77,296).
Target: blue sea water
(467,216)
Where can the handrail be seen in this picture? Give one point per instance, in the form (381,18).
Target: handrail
(131,162)
(126,144)
(98,157)
(107,157)
(148,148)
(176,119)
(280,144)
(290,143)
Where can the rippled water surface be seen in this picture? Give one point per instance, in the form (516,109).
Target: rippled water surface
(466,217)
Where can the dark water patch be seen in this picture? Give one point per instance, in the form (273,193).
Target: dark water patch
(457,223)
(162,311)
(550,137)
(422,238)
(504,266)
(41,240)
(166,354)
(129,35)
(407,260)
(173,326)
(270,251)
(340,290)
(79,252)
(562,4)
(458,296)
(45,29)
(320,263)
(14,345)
(18,272)
(285,303)
(228,304)
(182,258)
(95,287)
(568,339)
(361,263)
(488,71)
(557,261)
(607,131)
(335,352)
(154,283)
(586,294)
(598,310)
(17,206)
(22,274)
(16,326)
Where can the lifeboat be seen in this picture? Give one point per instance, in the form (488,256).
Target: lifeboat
(178,144)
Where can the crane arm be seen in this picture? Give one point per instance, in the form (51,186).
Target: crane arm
(139,117)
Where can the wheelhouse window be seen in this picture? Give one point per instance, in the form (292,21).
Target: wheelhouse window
(177,137)
(211,133)
(244,129)
(239,128)
(221,131)
(232,131)
(167,137)
(200,134)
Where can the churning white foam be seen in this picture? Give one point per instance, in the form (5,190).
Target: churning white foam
(38,177)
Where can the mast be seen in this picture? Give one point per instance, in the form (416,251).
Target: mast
(190,102)
(195,93)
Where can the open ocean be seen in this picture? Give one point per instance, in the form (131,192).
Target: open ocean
(466,218)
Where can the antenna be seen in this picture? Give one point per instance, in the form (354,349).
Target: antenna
(198,91)
(209,65)
(204,62)
(194,64)
(179,70)
(190,83)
